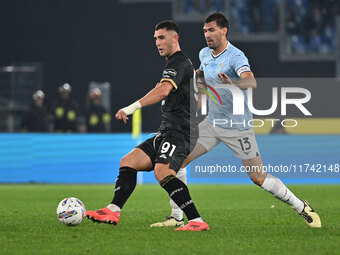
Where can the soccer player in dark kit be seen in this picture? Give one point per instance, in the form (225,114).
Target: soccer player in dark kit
(165,152)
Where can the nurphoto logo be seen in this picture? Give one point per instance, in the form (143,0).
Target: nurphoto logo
(286,95)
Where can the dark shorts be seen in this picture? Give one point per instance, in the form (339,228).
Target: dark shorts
(169,147)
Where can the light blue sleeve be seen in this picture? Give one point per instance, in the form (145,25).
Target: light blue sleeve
(240,63)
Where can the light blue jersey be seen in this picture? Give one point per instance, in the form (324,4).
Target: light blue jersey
(233,63)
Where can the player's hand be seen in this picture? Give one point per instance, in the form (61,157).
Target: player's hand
(158,84)
(121,115)
(224,78)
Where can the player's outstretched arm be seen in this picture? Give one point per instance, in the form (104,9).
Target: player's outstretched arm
(157,94)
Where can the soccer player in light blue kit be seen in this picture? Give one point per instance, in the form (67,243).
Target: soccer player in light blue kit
(221,62)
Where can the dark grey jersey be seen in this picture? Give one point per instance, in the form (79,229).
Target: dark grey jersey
(179,107)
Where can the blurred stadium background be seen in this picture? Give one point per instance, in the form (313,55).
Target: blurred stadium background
(110,45)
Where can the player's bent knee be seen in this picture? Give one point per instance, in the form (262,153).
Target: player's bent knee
(162,170)
(123,161)
(158,175)
(126,161)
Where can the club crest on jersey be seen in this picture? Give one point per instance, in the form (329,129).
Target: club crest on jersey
(167,73)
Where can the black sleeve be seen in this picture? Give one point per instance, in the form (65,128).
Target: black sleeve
(174,72)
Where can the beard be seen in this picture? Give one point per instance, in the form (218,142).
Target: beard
(212,46)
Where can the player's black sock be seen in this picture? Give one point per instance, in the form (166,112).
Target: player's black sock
(125,184)
(179,193)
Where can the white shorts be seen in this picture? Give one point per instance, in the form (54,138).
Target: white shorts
(241,142)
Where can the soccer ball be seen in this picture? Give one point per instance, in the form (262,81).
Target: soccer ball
(71,211)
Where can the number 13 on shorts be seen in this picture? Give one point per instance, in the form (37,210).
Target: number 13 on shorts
(244,143)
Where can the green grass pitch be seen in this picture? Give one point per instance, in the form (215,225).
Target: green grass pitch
(243,219)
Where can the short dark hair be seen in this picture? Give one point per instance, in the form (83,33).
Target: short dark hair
(221,20)
(168,25)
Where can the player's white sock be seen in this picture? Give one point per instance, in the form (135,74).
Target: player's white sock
(114,208)
(280,191)
(199,219)
(176,212)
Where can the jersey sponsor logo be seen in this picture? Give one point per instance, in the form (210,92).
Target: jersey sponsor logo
(167,73)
